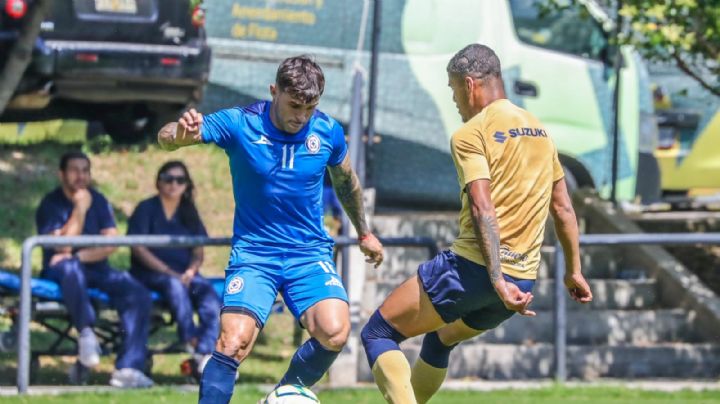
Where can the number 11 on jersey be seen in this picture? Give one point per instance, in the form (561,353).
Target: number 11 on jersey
(288,157)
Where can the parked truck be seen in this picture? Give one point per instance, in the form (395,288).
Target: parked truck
(558,66)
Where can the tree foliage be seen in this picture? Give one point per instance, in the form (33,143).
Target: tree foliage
(683,32)
(686,32)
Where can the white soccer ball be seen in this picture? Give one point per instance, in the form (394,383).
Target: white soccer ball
(291,394)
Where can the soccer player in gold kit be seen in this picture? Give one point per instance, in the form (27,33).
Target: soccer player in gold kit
(510,177)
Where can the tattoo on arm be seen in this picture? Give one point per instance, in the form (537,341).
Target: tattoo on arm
(486,227)
(349,192)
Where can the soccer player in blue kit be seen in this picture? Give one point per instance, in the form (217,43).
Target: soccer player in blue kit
(278,152)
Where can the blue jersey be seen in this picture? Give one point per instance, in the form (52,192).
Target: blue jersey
(277,176)
(55,210)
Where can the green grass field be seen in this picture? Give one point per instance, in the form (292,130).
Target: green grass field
(245,394)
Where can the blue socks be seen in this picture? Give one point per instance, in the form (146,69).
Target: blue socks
(434,352)
(309,364)
(379,337)
(218,379)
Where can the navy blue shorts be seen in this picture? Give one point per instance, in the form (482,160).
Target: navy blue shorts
(460,288)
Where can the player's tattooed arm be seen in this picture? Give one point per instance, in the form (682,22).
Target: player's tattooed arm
(486,228)
(488,236)
(349,192)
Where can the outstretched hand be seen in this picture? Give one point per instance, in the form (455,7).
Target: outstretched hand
(578,288)
(372,248)
(515,299)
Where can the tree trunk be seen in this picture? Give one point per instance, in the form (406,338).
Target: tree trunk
(21,52)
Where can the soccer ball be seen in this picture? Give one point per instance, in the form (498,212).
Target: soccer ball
(291,394)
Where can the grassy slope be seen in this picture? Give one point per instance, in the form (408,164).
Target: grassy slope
(125,175)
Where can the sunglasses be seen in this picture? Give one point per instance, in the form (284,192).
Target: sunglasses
(179,179)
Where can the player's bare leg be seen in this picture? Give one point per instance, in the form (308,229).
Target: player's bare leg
(328,322)
(238,333)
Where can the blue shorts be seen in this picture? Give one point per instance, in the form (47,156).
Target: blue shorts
(303,278)
(460,288)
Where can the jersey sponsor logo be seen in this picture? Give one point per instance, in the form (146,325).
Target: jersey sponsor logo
(334,282)
(235,285)
(509,256)
(533,132)
(500,137)
(312,143)
(263,140)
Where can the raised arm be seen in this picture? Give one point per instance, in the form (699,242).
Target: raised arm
(488,236)
(349,192)
(567,232)
(186,131)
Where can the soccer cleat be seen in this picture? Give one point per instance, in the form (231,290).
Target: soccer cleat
(129,378)
(88,350)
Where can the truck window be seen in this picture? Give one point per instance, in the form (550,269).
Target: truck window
(567,31)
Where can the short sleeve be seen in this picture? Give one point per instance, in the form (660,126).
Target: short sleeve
(48,217)
(339,145)
(558,172)
(469,154)
(220,127)
(139,222)
(106,217)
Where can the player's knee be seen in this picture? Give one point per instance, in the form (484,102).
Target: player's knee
(335,335)
(236,345)
(378,337)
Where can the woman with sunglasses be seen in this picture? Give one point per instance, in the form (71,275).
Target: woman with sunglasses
(174,272)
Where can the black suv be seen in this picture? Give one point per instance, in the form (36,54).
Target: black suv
(131,64)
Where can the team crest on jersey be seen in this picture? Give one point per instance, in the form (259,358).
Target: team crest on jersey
(235,285)
(312,143)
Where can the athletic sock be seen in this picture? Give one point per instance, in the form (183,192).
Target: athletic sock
(218,379)
(389,366)
(426,380)
(309,364)
(392,376)
(430,369)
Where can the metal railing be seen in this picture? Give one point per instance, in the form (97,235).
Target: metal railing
(560,314)
(560,310)
(23,368)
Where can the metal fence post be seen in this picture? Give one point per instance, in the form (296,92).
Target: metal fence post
(560,316)
(23,373)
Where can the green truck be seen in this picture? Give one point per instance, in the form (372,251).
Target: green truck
(559,66)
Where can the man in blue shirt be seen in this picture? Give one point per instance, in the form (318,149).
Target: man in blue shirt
(278,153)
(74,208)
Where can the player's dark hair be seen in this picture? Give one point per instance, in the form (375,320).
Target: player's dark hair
(301,77)
(187,211)
(72,155)
(476,61)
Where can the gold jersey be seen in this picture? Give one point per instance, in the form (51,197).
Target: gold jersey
(508,146)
